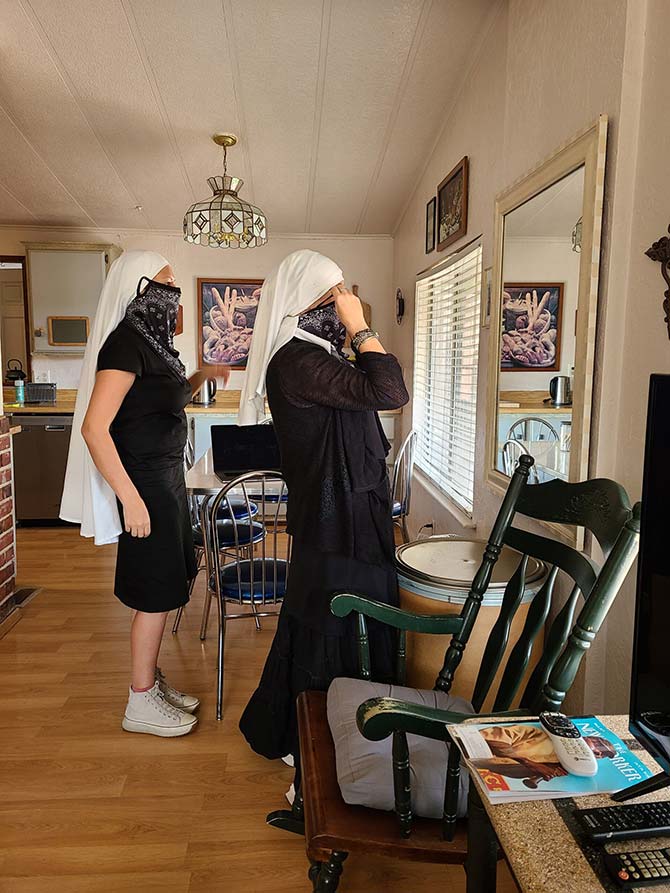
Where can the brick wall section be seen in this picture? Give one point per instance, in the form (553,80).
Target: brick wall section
(7,525)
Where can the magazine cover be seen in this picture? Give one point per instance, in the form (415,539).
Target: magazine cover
(517,761)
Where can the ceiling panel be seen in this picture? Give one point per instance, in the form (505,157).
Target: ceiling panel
(277,47)
(189,57)
(110,104)
(434,78)
(101,59)
(31,181)
(367,49)
(47,114)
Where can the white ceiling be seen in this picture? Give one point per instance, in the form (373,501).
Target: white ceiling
(109,104)
(552,214)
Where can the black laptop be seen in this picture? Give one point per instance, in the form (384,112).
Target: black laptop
(238,449)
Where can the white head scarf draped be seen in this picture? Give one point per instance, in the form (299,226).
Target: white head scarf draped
(87,497)
(298,281)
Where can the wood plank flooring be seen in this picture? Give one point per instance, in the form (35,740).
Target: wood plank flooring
(85,806)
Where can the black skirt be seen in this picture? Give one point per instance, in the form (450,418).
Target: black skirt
(153,572)
(312,647)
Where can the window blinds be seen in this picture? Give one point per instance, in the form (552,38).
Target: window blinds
(446,351)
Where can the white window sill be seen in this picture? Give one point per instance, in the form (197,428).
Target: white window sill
(461,517)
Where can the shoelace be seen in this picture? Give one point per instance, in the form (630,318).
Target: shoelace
(177,695)
(163,706)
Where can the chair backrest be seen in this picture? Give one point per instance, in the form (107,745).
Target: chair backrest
(401,485)
(602,507)
(512,450)
(532,428)
(248,546)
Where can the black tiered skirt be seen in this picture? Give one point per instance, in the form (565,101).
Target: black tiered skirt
(153,572)
(312,647)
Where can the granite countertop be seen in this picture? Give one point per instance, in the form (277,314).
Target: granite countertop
(540,847)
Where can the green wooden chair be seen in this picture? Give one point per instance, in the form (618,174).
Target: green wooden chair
(333,828)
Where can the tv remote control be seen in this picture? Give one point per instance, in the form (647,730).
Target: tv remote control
(626,821)
(642,869)
(574,754)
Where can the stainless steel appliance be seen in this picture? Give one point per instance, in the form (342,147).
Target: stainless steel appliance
(206,393)
(559,391)
(40,457)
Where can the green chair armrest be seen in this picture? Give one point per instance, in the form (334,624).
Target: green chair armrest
(343,604)
(377,718)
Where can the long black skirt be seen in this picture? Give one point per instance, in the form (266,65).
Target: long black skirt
(153,572)
(312,647)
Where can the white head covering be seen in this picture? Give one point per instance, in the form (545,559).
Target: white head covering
(298,281)
(87,497)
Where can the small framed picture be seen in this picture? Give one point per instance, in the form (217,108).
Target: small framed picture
(430,225)
(532,315)
(487,293)
(226,316)
(452,205)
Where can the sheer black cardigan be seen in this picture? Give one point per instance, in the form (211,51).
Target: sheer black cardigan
(333,447)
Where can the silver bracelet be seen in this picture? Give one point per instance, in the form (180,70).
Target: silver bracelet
(361,337)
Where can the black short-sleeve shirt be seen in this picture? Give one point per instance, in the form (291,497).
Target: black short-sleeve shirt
(149,430)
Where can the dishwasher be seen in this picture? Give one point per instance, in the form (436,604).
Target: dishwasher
(40,456)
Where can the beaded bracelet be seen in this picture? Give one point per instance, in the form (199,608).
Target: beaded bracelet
(361,337)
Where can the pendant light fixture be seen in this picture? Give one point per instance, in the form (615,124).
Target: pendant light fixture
(224,220)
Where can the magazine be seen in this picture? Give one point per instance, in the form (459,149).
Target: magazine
(516,761)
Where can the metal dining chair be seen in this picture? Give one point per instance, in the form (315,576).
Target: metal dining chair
(512,450)
(254,582)
(401,485)
(234,507)
(529,430)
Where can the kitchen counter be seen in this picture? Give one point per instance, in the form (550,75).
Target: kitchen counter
(226,403)
(64,404)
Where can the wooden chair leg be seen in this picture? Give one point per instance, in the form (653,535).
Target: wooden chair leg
(328,878)
(293,819)
(482,857)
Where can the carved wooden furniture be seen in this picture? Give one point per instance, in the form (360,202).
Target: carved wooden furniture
(333,829)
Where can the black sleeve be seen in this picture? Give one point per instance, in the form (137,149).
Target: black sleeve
(308,375)
(121,351)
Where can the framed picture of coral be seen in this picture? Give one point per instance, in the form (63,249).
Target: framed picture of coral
(532,315)
(226,316)
(452,205)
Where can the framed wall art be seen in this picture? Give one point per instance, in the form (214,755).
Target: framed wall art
(452,205)
(531,319)
(430,225)
(226,315)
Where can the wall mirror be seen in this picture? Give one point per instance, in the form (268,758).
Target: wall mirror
(545,291)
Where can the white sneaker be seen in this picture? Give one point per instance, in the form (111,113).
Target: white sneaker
(149,712)
(187,703)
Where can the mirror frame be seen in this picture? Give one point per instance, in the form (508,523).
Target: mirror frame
(587,149)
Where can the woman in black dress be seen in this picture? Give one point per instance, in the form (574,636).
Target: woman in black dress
(135,431)
(333,451)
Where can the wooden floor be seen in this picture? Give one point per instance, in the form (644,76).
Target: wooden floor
(85,806)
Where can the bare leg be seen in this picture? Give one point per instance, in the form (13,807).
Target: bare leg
(146,633)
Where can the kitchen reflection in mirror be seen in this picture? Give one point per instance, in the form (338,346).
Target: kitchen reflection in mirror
(540,274)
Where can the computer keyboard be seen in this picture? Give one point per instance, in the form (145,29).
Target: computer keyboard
(627,821)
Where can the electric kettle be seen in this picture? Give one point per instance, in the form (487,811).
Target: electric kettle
(206,392)
(559,391)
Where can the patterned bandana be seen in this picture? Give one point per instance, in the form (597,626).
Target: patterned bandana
(324,322)
(153,313)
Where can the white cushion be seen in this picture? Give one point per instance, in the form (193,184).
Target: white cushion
(365,768)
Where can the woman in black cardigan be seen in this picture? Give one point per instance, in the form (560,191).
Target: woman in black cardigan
(333,451)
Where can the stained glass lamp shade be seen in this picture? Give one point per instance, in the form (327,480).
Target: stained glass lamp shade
(224,220)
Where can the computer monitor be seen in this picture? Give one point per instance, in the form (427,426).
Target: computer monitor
(239,449)
(650,677)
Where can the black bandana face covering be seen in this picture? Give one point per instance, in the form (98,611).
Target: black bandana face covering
(153,312)
(324,322)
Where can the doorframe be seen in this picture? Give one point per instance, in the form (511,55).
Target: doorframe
(21,259)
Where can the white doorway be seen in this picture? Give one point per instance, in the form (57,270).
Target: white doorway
(12,315)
